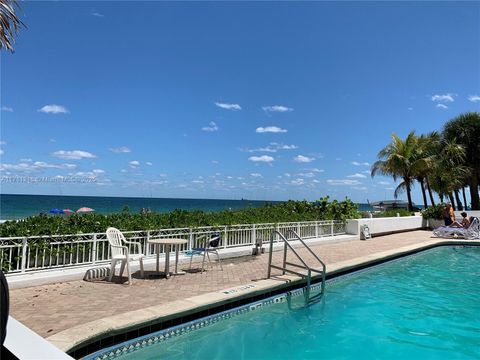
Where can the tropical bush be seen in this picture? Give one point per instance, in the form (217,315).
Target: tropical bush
(433,212)
(393,213)
(288,211)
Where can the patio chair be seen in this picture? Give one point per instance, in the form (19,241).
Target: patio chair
(120,253)
(470,233)
(210,248)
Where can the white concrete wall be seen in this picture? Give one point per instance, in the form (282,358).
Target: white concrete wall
(379,226)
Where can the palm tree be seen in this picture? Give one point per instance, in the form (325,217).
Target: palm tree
(449,173)
(401,159)
(465,129)
(427,150)
(10,23)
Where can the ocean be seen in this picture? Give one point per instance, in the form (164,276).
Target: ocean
(21,206)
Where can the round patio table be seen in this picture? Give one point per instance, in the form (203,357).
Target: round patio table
(168,243)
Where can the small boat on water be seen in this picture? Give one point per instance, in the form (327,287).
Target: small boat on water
(386,205)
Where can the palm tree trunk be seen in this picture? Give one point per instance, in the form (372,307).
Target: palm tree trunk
(441,197)
(464,198)
(452,201)
(475,200)
(429,191)
(457,199)
(420,180)
(409,195)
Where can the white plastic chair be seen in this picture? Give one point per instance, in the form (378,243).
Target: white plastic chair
(120,252)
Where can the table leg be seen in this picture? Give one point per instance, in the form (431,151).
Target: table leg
(176,259)
(167,260)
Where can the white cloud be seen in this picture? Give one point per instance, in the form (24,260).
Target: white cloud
(361,188)
(307,175)
(316,181)
(410,109)
(356,163)
(297,182)
(272,147)
(316,170)
(256,175)
(2,152)
(215,162)
(121,149)
(344,182)
(270,129)
(148,163)
(277,108)
(7,109)
(287,174)
(28,166)
(211,128)
(197,181)
(92,174)
(303,159)
(263,158)
(384,183)
(97,14)
(366,172)
(73,154)
(474,98)
(442,106)
(134,164)
(2,142)
(54,109)
(357,176)
(443,98)
(226,106)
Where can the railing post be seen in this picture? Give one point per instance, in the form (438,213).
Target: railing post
(225,234)
(190,239)
(24,254)
(277,228)
(316,229)
(298,229)
(331,230)
(94,250)
(254,235)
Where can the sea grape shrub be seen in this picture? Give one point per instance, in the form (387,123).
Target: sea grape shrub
(434,212)
(288,211)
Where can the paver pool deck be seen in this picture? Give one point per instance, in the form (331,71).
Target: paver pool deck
(49,309)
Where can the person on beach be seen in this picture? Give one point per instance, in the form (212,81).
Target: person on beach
(465,223)
(448,215)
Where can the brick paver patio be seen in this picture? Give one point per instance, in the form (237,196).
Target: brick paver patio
(48,309)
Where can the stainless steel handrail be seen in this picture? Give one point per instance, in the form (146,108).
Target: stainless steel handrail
(284,269)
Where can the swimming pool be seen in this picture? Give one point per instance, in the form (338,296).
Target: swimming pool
(422,306)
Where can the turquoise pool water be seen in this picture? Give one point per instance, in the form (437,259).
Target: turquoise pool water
(425,306)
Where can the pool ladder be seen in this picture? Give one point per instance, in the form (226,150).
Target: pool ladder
(304,265)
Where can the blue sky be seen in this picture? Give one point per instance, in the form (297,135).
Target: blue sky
(258,100)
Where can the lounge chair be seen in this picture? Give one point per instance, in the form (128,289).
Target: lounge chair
(211,247)
(470,233)
(121,253)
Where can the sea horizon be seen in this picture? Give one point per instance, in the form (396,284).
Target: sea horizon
(19,206)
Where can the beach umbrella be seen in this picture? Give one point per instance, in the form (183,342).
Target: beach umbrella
(84,210)
(56,211)
(67,211)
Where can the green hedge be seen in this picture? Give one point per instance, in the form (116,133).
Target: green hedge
(321,209)
(434,212)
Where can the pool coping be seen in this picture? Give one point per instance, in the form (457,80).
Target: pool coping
(78,338)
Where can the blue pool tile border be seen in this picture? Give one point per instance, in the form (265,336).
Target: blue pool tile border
(133,345)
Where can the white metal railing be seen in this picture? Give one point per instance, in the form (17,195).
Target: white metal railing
(24,254)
